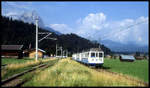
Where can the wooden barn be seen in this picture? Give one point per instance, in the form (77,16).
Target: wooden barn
(139,58)
(128,58)
(14,51)
(32,53)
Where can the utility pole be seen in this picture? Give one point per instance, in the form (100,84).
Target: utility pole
(36,19)
(66,53)
(36,38)
(61,51)
(99,43)
(56,49)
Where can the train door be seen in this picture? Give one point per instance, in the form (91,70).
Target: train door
(92,56)
(101,57)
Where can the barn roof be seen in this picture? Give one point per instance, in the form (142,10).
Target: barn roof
(127,57)
(41,50)
(11,47)
(34,50)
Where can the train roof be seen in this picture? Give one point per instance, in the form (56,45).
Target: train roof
(91,49)
(95,49)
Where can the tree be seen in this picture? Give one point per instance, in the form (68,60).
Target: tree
(137,54)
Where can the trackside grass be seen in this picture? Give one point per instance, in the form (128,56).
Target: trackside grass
(15,60)
(138,68)
(28,76)
(71,73)
(14,68)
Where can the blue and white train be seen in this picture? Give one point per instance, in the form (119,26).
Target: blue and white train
(92,57)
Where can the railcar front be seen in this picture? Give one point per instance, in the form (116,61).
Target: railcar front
(96,58)
(92,58)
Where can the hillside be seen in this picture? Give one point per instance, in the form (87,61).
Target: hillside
(18,32)
(120,47)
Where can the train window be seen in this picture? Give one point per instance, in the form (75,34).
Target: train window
(100,54)
(82,55)
(86,54)
(77,55)
(92,54)
(96,54)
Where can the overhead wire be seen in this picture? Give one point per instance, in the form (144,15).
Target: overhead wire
(121,31)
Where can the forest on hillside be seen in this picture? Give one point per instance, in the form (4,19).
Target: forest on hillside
(15,32)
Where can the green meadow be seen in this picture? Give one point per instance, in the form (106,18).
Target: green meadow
(138,69)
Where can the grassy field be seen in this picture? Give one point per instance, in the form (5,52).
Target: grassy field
(16,66)
(71,73)
(138,68)
(14,60)
(28,76)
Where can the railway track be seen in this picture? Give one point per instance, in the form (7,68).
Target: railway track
(3,66)
(17,81)
(126,77)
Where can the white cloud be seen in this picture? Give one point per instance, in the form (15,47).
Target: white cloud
(93,21)
(63,28)
(11,14)
(88,25)
(91,24)
(129,30)
(140,39)
(9,7)
(95,26)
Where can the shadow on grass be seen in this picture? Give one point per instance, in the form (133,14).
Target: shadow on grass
(26,58)
(103,67)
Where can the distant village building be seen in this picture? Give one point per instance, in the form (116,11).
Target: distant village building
(108,56)
(14,51)
(31,53)
(140,56)
(128,58)
(147,57)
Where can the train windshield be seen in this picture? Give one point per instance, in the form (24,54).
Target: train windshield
(100,55)
(92,54)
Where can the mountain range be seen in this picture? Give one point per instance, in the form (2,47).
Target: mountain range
(14,32)
(120,47)
(29,17)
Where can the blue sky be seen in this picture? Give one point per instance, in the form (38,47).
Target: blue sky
(68,12)
(90,19)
